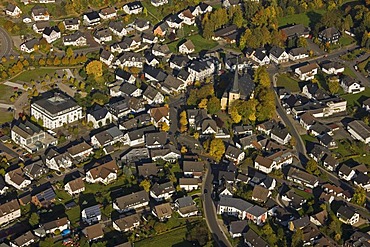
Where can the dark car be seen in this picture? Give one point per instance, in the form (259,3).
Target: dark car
(205,191)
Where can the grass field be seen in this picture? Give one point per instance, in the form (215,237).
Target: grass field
(173,238)
(349,72)
(288,82)
(308,138)
(357,99)
(199,42)
(307,19)
(5,116)
(36,74)
(5,93)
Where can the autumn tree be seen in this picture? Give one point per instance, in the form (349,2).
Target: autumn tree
(237,18)
(203,104)
(183,121)
(262,77)
(333,86)
(297,238)
(312,167)
(213,105)
(145,184)
(69,52)
(95,68)
(359,197)
(164,126)
(217,149)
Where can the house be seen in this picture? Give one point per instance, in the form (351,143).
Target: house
(302,178)
(327,141)
(35,170)
(57,161)
(91,19)
(158,3)
(56,109)
(202,68)
(281,135)
(230,3)
(107,137)
(233,206)
(186,207)
(75,186)
(161,29)
(124,76)
(13,10)
(141,25)
(193,168)
(156,139)
(108,13)
(366,104)
(91,215)
(103,172)
(307,72)
(93,232)
(154,74)
(117,28)
(9,211)
(306,120)
(131,201)
(300,223)
(75,39)
(359,131)
(133,8)
(266,127)
(39,13)
(252,239)
(362,180)
(151,60)
(39,26)
(31,137)
(102,36)
(329,162)
(58,224)
(332,68)
(298,53)
(203,8)
(130,59)
(238,228)
(174,21)
(187,17)
(320,218)
(147,170)
(127,223)
(162,191)
(296,31)
(168,153)
(260,56)
(189,184)
(99,116)
(153,96)
(260,194)
(292,199)
(227,34)
(160,115)
(149,38)
(162,211)
(26,239)
(350,85)
(44,196)
(234,154)
(80,151)
(30,45)
(329,35)
(345,172)
(187,47)
(106,57)
(72,24)
(51,34)
(137,137)
(17,179)
(278,55)
(347,215)
(3,187)
(256,214)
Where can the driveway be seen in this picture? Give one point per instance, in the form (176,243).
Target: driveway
(6,43)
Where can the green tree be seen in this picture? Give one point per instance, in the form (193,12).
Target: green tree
(145,184)
(359,197)
(333,86)
(213,105)
(217,149)
(199,234)
(262,77)
(238,16)
(69,52)
(34,219)
(47,242)
(312,167)
(347,23)
(297,238)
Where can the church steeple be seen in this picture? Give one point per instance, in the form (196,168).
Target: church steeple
(235,87)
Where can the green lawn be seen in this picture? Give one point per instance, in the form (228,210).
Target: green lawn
(74,215)
(288,82)
(5,116)
(362,65)
(349,72)
(199,42)
(304,194)
(36,74)
(308,138)
(173,238)
(5,93)
(306,19)
(346,40)
(356,99)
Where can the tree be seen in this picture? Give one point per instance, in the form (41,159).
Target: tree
(213,105)
(203,104)
(359,197)
(164,127)
(184,150)
(333,86)
(235,116)
(145,184)
(95,68)
(302,42)
(238,17)
(312,166)
(348,23)
(262,77)
(199,234)
(297,238)
(69,52)
(34,219)
(217,149)
(56,61)
(47,242)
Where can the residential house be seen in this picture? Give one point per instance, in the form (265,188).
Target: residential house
(281,135)
(302,178)
(162,191)
(133,8)
(26,239)
(366,104)
(238,228)
(80,151)
(203,8)
(173,85)
(158,3)
(266,127)
(58,224)
(203,67)
(329,35)
(91,19)
(234,154)
(292,199)
(174,21)
(154,74)
(260,194)
(278,55)
(187,17)
(252,239)
(327,141)
(117,28)
(257,214)
(187,47)
(298,53)
(189,184)
(193,168)
(320,218)
(17,179)
(102,36)
(332,68)
(3,187)
(233,206)
(94,232)
(359,131)
(153,96)
(260,56)
(57,161)
(350,85)
(107,137)
(51,34)
(108,13)
(169,153)
(39,26)
(9,211)
(131,201)
(296,31)
(149,38)
(44,196)
(227,34)
(299,224)
(141,25)
(35,170)
(99,116)
(345,172)
(160,115)
(39,13)
(127,223)
(129,59)
(75,186)
(137,137)
(75,39)
(347,215)
(147,170)
(307,120)
(156,139)
(124,76)
(178,62)
(13,11)
(161,29)
(362,180)
(186,207)
(30,45)
(91,215)
(306,72)
(72,24)
(103,172)
(106,57)
(162,211)
(230,3)
(329,162)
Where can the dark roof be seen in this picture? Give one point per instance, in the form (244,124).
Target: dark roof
(254,239)
(55,102)
(280,132)
(148,169)
(362,179)
(240,226)
(158,74)
(328,33)
(49,30)
(156,138)
(99,112)
(346,212)
(276,51)
(105,54)
(132,200)
(92,15)
(128,88)
(235,202)
(326,139)
(116,25)
(260,53)
(298,51)
(72,21)
(10,7)
(73,37)
(134,5)
(30,44)
(159,189)
(123,74)
(296,30)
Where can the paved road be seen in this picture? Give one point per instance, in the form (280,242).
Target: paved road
(210,212)
(6,43)
(5,106)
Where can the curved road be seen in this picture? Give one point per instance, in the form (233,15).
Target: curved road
(6,43)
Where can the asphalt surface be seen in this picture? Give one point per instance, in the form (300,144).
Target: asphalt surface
(6,43)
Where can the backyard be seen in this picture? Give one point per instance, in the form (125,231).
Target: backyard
(357,99)
(199,42)
(5,116)
(5,93)
(308,18)
(284,80)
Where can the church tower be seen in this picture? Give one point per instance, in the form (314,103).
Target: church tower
(234,93)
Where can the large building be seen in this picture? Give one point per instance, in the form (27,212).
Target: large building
(56,109)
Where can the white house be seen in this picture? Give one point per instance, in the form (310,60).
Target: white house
(91,215)
(72,24)
(9,211)
(106,57)
(131,201)
(233,206)
(108,13)
(17,179)
(133,8)
(359,130)
(30,45)
(127,223)
(13,11)
(59,224)
(350,85)
(99,117)
(75,39)
(281,135)
(332,68)
(160,115)
(234,154)
(346,173)
(273,162)
(153,96)
(187,17)
(104,173)
(347,215)
(298,53)
(189,184)
(57,161)
(91,19)
(158,3)
(51,34)
(307,72)
(260,56)
(162,191)
(39,13)
(186,207)
(102,36)
(187,47)
(75,187)
(278,55)
(80,151)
